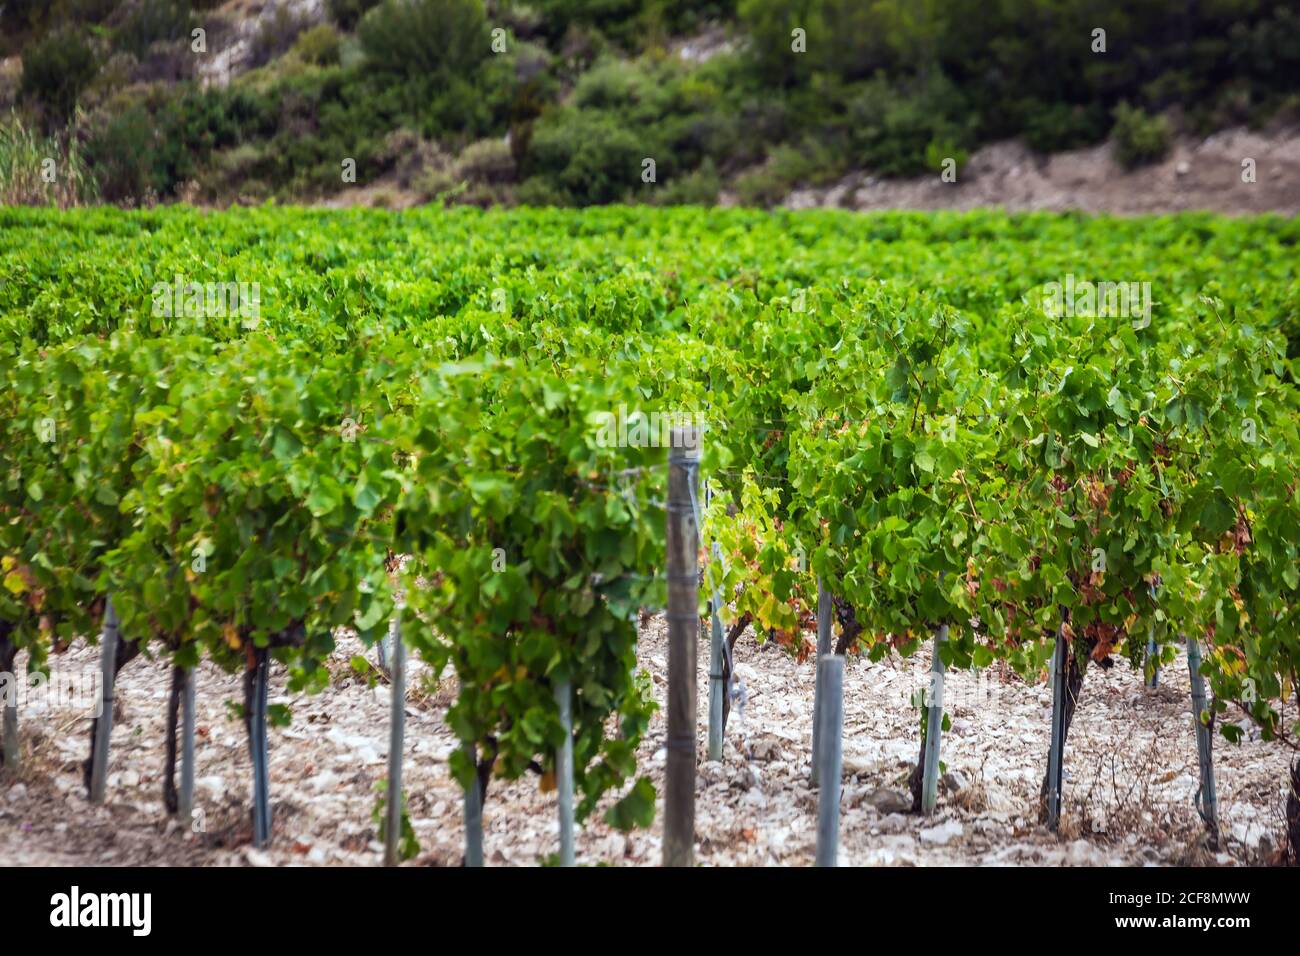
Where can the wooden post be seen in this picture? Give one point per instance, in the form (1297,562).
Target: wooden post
(823,648)
(396,741)
(683,542)
(108,639)
(564,772)
(829,756)
(1056,756)
(1207,804)
(933,725)
(185,800)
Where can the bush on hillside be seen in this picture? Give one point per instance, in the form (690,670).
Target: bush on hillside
(1139,137)
(56,71)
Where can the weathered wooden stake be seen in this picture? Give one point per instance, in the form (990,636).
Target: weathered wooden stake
(1055,758)
(564,772)
(933,725)
(823,648)
(683,542)
(108,639)
(1207,804)
(829,756)
(185,799)
(396,741)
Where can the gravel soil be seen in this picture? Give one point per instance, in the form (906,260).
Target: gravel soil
(1130,765)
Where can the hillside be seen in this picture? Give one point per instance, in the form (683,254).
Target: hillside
(558,102)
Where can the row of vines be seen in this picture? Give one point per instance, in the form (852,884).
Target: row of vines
(885,396)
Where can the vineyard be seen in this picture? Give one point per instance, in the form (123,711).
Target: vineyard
(265,441)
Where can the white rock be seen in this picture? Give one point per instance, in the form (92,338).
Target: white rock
(892,823)
(941,835)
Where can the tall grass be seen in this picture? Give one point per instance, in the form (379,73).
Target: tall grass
(24,170)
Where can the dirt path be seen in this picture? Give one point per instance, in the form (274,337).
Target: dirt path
(1198,174)
(1131,770)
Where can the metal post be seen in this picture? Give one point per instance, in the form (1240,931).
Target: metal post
(260,749)
(1055,759)
(1154,680)
(823,648)
(829,756)
(1206,799)
(683,626)
(185,800)
(473,815)
(108,639)
(717,685)
(11,735)
(933,726)
(564,772)
(396,737)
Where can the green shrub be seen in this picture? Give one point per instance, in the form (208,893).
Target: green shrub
(122,156)
(1139,137)
(891,128)
(319,45)
(150,22)
(592,156)
(764,187)
(540,191)
(699,187)
(486,161)
(56,70)
(426,38)
(275,36)
(348,13)
(1050,127)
